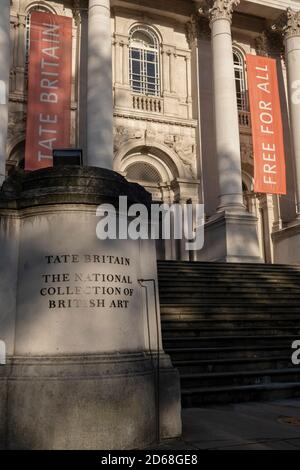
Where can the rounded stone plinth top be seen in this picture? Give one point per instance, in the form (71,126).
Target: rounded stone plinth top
(69,184)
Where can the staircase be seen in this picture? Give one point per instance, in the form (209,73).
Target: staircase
(229,328)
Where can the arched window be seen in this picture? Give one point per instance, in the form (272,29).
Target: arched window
(141,171)
(144,61)
(240,80)
(27,35)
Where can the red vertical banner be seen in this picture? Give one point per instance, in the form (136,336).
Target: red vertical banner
(49,88)
(267,133)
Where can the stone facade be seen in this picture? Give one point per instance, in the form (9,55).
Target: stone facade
(169,141)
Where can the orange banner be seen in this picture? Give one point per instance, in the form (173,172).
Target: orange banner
(49,88)
(267,133)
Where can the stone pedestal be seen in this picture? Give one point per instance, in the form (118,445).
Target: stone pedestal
(82,344)
(286,244)
(231,237)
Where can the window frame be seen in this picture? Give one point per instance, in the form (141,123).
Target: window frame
(44,9)
(240,77)
(143,83)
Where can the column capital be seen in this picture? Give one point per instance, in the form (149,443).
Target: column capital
(270,43)
(218,9)
(76,11)
(292,27)
(197,28)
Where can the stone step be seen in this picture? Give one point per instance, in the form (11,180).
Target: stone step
(239,308)
(197,366)
(227,266)
(229,329)
(243,272)
(223,276)
(227,323)
(254,377)
(239,294)
(197,299)
(229,352)
(235,394)
(219,341)
(223,286)
(219,321)
(196,332)
(186,286)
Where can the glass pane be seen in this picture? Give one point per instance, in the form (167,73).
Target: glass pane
(135,53)
(150,56)
(136,67)
(151,88)
(151,70)
(136,85)
(144,38)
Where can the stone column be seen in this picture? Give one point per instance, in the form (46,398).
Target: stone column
(173,58)
(231,233)
(20,56)
(4,81)
(292,47)
(166,70)
(225,102)
(125,67)
(99,86)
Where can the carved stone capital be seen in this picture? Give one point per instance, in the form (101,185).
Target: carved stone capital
(76,11)
(292,27)
(270,43)
(218,9)
(197,28)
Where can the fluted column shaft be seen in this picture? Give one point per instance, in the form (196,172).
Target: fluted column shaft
(226,112)
(292,47)
(4,81)
(99,86)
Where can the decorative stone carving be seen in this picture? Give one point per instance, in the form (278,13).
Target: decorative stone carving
(184,146)
(218,9)
(76,11)
(122,135)
(292,27)
(197,28)
(247,153)
(270,43)
(150,136)
(16,126)
(185,149)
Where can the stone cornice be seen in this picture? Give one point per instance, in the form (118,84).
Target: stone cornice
(218,9)
(153,118)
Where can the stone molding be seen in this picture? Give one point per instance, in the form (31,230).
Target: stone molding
(131,115)
(68,184)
